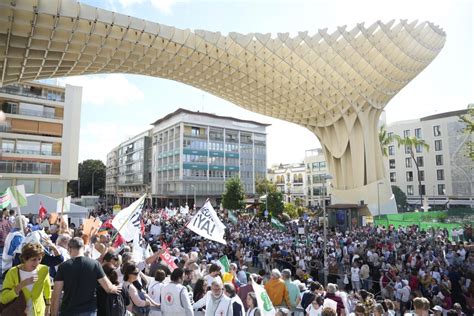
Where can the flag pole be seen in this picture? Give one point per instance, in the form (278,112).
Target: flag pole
(128,218)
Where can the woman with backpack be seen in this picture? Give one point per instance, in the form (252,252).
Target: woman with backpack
(140,301)
(115,304)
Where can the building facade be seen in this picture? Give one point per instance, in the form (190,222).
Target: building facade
(187,158)
(290,180)
(317,188)
(39,140)
(446,173)
(128,169)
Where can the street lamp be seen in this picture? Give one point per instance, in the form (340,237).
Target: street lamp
(93,174)
(194,188)
(325,233)
(378,199)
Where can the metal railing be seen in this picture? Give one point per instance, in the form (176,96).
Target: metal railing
(30,152)
(34,113)
(24,91)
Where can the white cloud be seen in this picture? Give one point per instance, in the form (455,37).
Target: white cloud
(128,3)
(112,89)
(165,5)
(99,138)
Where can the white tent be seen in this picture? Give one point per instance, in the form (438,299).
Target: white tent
(34,200)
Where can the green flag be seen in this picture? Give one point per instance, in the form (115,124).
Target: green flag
(18,195)
(5,199)
(277,224)
(232,217)
(224,263)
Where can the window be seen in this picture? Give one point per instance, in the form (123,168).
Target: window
(441,189)
(439,160)
(409,190)
(409,176)
(436,130)
(391,150)
(440,174)
(393,177)
(419,148)
(29,185)
(421,175)
(421,189)
(407,149)
(420,161)
(390,134)
(418,133)
(392,163)
(8,146)
(406,133)
(4,184)
(408,162)
(438,145)
(195,131)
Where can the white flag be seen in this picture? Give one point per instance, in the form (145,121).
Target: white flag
(18,195)
(137,251)
(264,303)
(206,223)
(66,207)
(184,210)
(127,221)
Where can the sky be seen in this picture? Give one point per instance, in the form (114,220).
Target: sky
(116,107)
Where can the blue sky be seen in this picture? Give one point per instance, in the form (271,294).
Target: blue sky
(119,106)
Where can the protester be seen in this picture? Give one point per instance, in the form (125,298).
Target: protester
(277,290)
(78,277)
(216,303)
(32,279)
(175,296)
(140,301)
(12,241)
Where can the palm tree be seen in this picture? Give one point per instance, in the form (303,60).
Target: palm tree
(412,143)
(385,139)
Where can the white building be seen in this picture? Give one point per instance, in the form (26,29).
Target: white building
(39,140)
(446,173)
(317,181)
(290,180)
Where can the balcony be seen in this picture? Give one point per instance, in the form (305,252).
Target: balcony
(33,92)
(34,113)
(29,168)
(30,152)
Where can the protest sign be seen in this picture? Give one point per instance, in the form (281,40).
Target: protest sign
(155,230)
(206,223)
(168,259)
(91,225)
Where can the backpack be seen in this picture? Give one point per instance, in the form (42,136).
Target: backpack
(116,305)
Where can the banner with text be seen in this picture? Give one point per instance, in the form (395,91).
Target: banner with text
(207,224)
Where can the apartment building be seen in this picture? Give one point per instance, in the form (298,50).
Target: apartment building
(39,140)
(446,173)
(317,178)
(187,158)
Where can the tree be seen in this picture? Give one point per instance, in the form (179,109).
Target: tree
(262,186)
(400,197)
(385,140)
(412,143)
(87,169)
(468,120)
(291,210)
(234,195)
(275,203)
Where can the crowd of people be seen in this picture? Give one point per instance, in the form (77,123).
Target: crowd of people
(56,269)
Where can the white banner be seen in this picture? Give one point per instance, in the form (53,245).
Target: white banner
(127,221)
(264,303)
(206,223)
(66,207)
